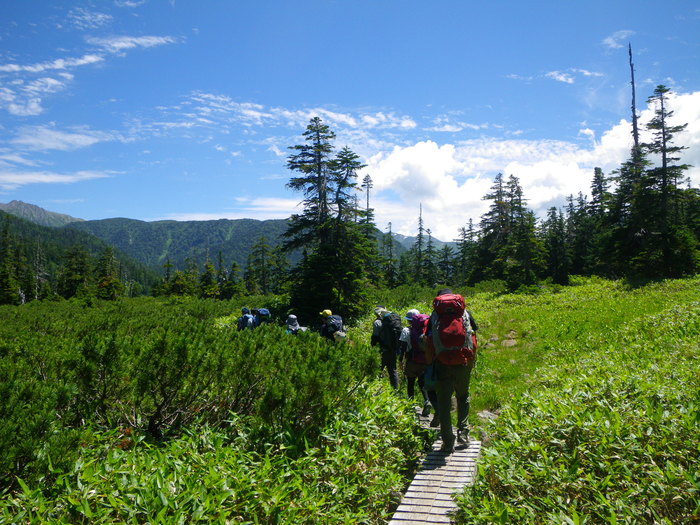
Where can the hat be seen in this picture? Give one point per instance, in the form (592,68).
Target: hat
(444,291)
(379,310)
(292,322)
(325,313)
(411,313)
(244,310)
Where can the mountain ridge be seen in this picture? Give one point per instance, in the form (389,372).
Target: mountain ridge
(36,214)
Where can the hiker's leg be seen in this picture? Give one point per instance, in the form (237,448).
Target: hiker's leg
(461,385)
(423,391)
(432,395)
(389,360)
(410,386)
(445,387)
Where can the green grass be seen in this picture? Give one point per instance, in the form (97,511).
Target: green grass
(605,428)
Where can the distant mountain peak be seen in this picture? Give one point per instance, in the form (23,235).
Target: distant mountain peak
(37,215)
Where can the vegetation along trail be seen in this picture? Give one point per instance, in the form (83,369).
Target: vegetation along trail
(155,410)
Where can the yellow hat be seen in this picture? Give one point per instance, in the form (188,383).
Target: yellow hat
(325,313)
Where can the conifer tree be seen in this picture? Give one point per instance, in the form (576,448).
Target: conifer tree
(208,282)
(75,273)
(495,229)
(312,163)
(466,253)
(556,249)
(333,274)
(675,247)
(109,286)
(522,255)
(9,285)
(429,261)
(445,265)
(418,251)
(389,259)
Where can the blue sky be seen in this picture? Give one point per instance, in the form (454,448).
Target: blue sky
(153,109)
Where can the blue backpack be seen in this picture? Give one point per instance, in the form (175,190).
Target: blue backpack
(263,316)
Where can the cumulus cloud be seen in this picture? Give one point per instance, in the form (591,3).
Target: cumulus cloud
(450,180)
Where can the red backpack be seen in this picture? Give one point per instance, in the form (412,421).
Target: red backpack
(419,324)
(452,336)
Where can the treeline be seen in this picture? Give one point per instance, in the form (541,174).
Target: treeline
(266,272)
(641,222)
(39,262)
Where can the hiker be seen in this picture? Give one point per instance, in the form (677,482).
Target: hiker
(261,316)
(246,320)
(293,326)
(451,342)
(386,331)
(331,326)
(416,362)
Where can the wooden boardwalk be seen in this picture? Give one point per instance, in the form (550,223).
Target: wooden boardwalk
(428,499)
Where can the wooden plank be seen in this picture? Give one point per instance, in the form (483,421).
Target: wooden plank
(429,498)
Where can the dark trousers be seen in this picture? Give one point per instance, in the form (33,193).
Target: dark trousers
(389,361)
(452,380)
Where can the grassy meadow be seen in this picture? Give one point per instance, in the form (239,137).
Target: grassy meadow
(159,411)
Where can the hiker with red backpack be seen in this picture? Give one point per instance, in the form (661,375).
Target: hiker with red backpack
(416,362)
(451,342)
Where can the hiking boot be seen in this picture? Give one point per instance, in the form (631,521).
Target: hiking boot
(426,410)
(462,437)
(448,446)
(435,422)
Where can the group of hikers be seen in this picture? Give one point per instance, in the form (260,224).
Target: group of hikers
(252,318)
(437,351)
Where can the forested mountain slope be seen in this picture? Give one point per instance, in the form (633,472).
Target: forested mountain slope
(42,249)
(154,243)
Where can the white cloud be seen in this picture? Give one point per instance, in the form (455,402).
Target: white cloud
(560,77)
(613,41)
(10,180)
(261,208)
(129,3)
(48,138)
(117,44)
(229,112)
(58,64)
(449,180)
(587,73)
(84,19)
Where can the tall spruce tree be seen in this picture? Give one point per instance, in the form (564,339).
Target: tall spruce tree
(333,274)
(522,255)
(674,248)
(466,253)
(556,247)
(495,229)
(389,262)
(312,162)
